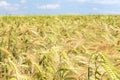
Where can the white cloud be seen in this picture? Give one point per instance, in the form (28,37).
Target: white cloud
(107,1)
(3,4)
(105,10)
(49,6)
(7,6)
(80,0)
(23,1)
(100,1)
(95,8)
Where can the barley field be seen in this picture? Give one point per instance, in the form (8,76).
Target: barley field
(67,47)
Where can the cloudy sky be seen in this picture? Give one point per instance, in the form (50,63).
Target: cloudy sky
(37,7)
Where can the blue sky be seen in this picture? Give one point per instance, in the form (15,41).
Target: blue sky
(45,7)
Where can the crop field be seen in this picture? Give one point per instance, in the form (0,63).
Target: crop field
(64,47)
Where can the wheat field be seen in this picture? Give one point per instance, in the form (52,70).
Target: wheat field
(67,47)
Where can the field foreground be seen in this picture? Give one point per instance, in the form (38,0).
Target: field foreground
(60,47)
